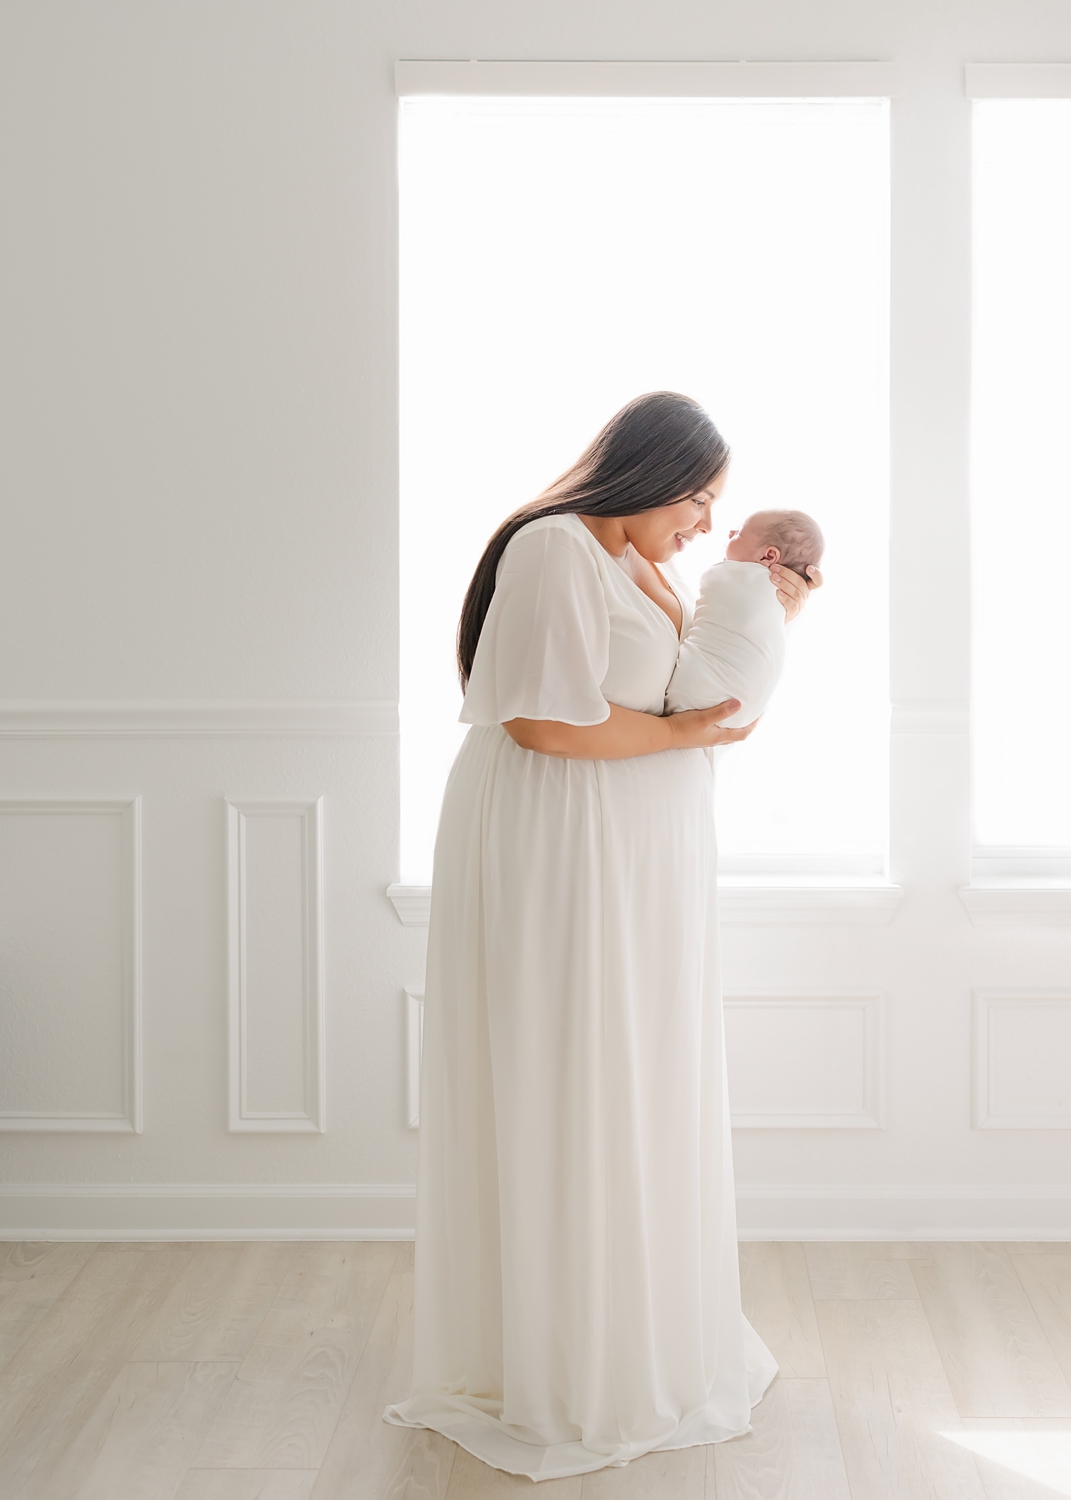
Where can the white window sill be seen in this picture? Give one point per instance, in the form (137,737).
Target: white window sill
(745,901)
(1024,902)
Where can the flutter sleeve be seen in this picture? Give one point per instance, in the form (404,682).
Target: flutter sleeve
(544,647)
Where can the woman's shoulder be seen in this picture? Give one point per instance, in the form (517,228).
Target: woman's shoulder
(564,533)
(567,527)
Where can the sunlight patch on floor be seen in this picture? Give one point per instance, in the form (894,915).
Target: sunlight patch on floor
(1044,1457)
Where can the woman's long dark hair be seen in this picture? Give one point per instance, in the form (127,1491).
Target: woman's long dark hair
(658,449)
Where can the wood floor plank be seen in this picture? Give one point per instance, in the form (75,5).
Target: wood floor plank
(997,1359)
(247,1484)
(369,1459)
(792,1452)
(472,1480)
(282,1408)
(679,1472)
(776,1293)
(890,1394)
(32,1277)
(860,1270)
(51,1387)
(23,1260)
(1046,1279)
(139,1441)
(217,1306)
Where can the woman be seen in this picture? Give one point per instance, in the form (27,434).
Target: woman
(577,1290)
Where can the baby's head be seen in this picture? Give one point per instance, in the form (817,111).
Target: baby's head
(788,537)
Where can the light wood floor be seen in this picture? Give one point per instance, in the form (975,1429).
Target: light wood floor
(259,1372)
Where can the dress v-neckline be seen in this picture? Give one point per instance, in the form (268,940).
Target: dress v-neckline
(679,634)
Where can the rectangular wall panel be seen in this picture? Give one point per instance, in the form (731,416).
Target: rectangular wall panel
(1022,1060)
(275,993)
(804,1061)
(70,961)
(414,1049)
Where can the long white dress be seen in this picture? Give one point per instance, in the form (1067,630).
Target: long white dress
(577,1292)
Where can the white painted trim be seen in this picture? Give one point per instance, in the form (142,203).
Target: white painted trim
(207,1211)
(805,867)
(414,1048)
(871,1003)
(1027,904)
(190,1190)
(756,904)
(180,1234)
(385,1211)
(818,905)
(683,80)
(1039,80)
(412,903)
(925,716)
(983,1003)
(1016,864)
(174,718)
(240,1117)
(129,1121)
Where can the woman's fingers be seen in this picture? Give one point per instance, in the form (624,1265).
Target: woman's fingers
(792,590)
(724,710)
(814,577)
(730,736)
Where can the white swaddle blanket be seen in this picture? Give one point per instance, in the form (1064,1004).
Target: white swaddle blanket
(736,645)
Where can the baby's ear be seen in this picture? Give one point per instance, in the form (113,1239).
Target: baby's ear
(771,555)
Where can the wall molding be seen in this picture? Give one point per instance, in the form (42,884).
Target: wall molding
(130,1118)
(240,1116)
(1024,904)
(984,1005)
(756,903)
(1039,80)
(871,1006)
(930,716)
(191,1211)
(176,718)
(904,1211)
(414,1047)
(688,80)
(119,1212)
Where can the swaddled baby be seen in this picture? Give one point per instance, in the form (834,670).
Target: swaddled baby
(736,645)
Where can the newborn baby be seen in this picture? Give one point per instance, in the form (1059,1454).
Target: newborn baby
(736,645)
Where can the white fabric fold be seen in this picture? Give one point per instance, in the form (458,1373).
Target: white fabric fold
(735,647)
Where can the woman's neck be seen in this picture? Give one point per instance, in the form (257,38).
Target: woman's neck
(609,532)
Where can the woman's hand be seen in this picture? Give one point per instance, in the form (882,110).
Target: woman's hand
(701,728)
(792,590)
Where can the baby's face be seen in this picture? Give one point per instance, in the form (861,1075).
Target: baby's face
(747,545)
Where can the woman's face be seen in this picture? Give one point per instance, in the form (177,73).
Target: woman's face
(660,534)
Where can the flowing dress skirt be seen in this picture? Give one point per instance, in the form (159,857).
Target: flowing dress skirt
(577,1284)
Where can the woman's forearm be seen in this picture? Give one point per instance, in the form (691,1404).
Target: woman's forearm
(623,734)
(626,733)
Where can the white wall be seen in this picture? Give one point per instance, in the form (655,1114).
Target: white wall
(198,598)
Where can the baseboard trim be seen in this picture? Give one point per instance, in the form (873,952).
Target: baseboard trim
(175,718)
(207,1211)
(178,1212)
(923,1211)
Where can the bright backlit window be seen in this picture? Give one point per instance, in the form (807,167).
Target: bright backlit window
(1021,483)
(560,256)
